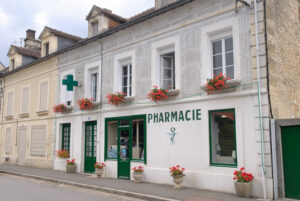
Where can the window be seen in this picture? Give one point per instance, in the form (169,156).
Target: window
(65,143)
(9,103)
(46,49)
(94,86)
(112,139)
(165,72)
(43,96)
(127,79)
(167,67)
(222,138)
(8,141)
(222,55)
(12,64)
(25,100)
(38,141)
(95,28)
(138,139)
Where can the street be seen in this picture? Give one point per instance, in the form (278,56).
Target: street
(13,188)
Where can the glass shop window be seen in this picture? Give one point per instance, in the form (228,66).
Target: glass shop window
(222,137)
(138,139)
(112,139)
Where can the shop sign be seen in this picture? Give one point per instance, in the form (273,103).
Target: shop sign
(175,116)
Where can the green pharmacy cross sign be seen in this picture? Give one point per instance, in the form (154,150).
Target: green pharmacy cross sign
(70,82)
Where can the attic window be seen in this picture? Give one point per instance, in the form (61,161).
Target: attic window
(13,64)
(46,49)
(95,28)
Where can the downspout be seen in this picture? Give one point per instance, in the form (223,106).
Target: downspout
(259,102)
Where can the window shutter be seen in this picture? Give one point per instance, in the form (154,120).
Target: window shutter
(43,96)
(38,141)
(25,100)
(8,141)
(9,103)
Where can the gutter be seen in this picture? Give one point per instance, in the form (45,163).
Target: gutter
(106,33)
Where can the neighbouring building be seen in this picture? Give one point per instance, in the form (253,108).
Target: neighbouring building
(30,90)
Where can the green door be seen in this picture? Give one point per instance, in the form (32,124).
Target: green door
(291,160)
(124,153)
(90,146)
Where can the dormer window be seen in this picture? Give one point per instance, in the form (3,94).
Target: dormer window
(46,46)
(12,64)
(95,28)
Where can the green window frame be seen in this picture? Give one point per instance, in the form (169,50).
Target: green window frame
(224,113)
(119,121)
(65,136)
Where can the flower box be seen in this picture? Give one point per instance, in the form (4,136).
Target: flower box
(116,98)
(85,103)
(157,95)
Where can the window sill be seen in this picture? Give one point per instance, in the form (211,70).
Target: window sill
(230,83)
(95,104)
(173,92)
(128,99)
(223,165)
(41,113)
(24,115)
(9,117)
(69,108)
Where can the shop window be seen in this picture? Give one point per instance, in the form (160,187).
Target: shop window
(65,143)
(222,138)
(222,57)
(112,139)
(138,139)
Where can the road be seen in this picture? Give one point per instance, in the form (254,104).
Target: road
(13,188)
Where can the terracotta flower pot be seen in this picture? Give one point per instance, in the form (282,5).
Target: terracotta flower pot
(178,179)
(243,189)
(99,172)
(71,168)
(137,176)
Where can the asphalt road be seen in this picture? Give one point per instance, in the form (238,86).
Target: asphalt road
(13,188)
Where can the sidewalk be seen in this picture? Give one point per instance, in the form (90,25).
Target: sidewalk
(146,191)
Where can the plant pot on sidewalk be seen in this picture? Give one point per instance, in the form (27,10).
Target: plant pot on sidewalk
(99,172)
(71,168)
(243,189)
(178,179)
(137,176)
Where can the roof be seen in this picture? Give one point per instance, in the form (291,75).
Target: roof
(126,25)
(61,34)
(25,51)
(1,64)
(107,13)
(142,13)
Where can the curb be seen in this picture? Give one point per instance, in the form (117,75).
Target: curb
(91,187)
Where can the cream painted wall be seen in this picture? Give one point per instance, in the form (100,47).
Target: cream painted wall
(31,77)
(52,40)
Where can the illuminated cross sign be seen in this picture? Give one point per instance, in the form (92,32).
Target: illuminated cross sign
(70,82)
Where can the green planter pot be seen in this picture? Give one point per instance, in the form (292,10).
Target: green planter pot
(243,189)
(71,168)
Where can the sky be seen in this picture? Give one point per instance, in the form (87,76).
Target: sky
(16,16)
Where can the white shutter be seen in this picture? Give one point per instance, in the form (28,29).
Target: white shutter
(43,96)
(8,141)
(25,100)
(38,141)
(9,103)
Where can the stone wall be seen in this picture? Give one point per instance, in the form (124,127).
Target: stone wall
(283,34)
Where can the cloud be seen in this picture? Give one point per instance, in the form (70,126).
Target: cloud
(40,20)
(4,19)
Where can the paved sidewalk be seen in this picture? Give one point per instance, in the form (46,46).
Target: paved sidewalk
(147,191)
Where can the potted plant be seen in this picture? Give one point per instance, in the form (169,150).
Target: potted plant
(99,168)
(216,83)
(243,183)
(62,153)
(116,98)
(157,95)
(59,108)
(138,173)
(85,103)
(71,166)
(177,174)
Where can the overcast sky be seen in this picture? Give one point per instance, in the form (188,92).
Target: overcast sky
(16,16)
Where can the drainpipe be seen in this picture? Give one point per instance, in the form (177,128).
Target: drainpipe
(259,101)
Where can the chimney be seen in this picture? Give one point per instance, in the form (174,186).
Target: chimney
(30,34)
(162,3)
(30,41)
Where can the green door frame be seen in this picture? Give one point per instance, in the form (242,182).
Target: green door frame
(124,164)
(89,161)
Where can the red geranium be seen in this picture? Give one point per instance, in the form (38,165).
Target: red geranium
(99,165)
(138,169)
(71,162)
(116,98)
(158,94)
(176,170)
(242,176)
(216,83)
(62,153)
(85,103)
(59,108)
